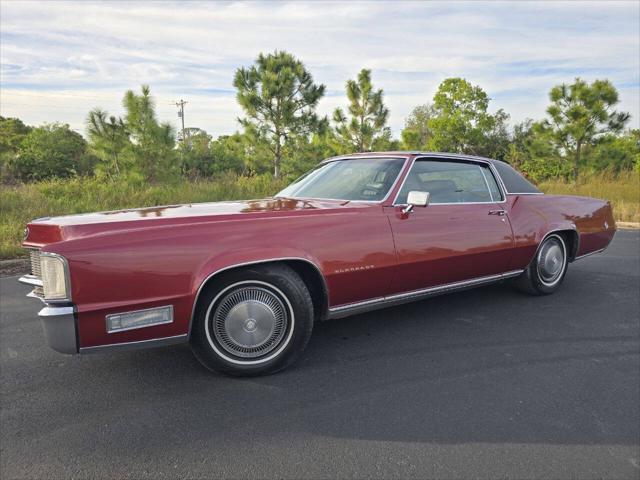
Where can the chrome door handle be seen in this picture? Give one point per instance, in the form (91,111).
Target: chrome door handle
(497,212)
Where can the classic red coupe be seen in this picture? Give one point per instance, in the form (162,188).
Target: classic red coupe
(245,281)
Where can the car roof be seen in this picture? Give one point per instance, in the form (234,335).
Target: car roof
(412,153)
(513,181)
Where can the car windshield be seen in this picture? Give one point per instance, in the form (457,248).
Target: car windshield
(367,179)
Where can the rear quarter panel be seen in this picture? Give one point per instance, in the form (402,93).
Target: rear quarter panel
(534,216)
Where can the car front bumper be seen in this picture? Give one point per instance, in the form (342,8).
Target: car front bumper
(58,321)
(60,329)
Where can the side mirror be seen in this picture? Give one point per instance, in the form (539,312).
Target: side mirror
(416,199)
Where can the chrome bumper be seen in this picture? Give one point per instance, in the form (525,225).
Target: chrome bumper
(59,325)
(31,280)
(36,283)
(58,322)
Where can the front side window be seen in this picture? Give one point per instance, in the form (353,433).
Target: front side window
(451,182)
(360,179)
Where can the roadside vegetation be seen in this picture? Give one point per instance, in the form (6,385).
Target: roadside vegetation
(623,191)
(21,203)
(581,147)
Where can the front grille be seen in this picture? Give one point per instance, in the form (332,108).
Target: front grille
(35,263)
(36,271)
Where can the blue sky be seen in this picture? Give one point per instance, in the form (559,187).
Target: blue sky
(60,59)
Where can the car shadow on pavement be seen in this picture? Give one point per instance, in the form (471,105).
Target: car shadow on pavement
(487,365)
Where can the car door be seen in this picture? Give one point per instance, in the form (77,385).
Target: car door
(462,234)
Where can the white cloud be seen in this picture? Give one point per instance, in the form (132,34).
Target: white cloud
(61,59)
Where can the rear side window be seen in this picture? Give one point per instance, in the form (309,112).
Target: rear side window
(496,194)
(449,182)
(513,181)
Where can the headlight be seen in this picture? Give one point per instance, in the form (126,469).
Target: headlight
(55,277)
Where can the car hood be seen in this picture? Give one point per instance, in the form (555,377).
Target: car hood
(54,229)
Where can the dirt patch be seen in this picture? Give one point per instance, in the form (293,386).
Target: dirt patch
(9,268)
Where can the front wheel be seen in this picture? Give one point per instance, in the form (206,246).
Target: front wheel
(546,271)
(253,321)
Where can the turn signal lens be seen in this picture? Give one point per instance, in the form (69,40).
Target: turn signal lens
(143,318)
(54,277)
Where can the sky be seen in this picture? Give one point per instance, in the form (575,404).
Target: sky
(61,59)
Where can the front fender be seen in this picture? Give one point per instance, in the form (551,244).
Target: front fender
(218,263)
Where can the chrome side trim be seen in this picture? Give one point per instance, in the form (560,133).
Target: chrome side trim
(589,254)
(154,342)
(525,193)
(453,203)
(244,264)
(371,202)
(31,280)
(399,298)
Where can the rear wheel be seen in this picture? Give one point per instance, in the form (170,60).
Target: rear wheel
(546,272)
(253,321)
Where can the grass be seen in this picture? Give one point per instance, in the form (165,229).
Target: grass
(22,203)
(623,191)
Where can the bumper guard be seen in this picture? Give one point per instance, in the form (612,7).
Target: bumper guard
(59,325)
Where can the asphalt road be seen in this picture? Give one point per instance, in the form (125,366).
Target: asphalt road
(485,383)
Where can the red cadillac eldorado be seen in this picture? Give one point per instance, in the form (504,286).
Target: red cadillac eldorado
(245,281)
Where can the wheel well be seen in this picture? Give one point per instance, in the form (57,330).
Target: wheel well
(314,280)
(572,240)
(309,273)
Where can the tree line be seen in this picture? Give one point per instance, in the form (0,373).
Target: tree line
(282,134)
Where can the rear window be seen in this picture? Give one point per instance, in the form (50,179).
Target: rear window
(514,181)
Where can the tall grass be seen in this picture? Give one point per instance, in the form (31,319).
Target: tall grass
(20,204)
(623,191)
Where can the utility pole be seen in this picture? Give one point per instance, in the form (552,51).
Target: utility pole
(181,104)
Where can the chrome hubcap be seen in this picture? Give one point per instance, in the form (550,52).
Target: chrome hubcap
(250,321)
(551,261)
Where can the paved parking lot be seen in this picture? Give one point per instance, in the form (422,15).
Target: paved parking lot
(485,383)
